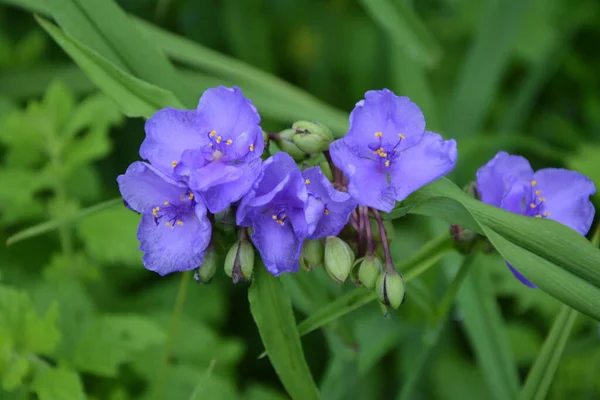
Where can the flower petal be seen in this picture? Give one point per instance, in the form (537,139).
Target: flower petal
(367,182)
(423,163)
(143,186)
(339,205)
(278,245)
(504,176)
(179,248)
(567,195)
(383,111)
(520,276)
(168,133)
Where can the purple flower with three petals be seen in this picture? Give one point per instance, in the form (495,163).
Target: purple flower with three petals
(509,182)
(387,154)
(327,210)
(174,230)
(216,148)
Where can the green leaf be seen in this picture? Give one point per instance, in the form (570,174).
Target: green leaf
(134,97)
(49,226)
(59,383)
(108,31)
(405,29)
(541,374)
(14,372)
(112,340)
(110,236)
(274,317)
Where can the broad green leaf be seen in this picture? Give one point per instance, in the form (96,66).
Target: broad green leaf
(135,97)
(110,236)
(107,30)
(481,71)
(51,225)
(274,317)
(112,340)
(14,372)
(59,383)
(405,29)
(542,372)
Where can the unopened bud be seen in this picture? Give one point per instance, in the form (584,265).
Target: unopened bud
(326,169)
(205,272)
(338,259)
(369,271)
(390,289)
(239,262)
(312,137)
(312,253)
(285,143)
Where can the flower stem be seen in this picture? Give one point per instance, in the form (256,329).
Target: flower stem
(361,232)
(365,213)
(389,264)
(161,377)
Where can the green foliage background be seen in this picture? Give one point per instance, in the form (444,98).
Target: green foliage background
(81,318)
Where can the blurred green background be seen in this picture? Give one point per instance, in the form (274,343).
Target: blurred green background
(516,75)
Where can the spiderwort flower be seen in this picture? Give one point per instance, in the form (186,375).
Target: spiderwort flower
(509,182)
(216,148)
(328,210)
(275,208)
(387,154)
(174,231)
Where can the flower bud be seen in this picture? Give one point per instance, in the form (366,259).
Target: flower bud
(312,253)
(369,271)
(390,289)
(326,169)
(205,272)
(338,259)
(312,137)
(239,261)
(285,143)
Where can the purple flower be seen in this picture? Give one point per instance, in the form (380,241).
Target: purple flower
(327,210)
(387,154)
(216,148)
(174,230)
(509,182)
(275,208)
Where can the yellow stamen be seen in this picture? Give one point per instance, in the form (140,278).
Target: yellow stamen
(547,214)
(538,216)
(228,142)
(213,133)
(532,205)
(166,203)
(167,224)
(155,212)
(538,192)
(307,181)
(252,147)
(219,138)
(533,183)
(274,217)
(174,164)
(542,199)
(280,222)
(387,163)
(326,212)
(401,136)
(191,196)
(378,134)
(180,223)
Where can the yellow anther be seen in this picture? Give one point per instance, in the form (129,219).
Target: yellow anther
(191,196)
(219,138)
(274,217)
(542,199)
(252,147)
(378,134)
(228,142)
(213,133)
(387,163)
(280,222)
(155,212)
(174,164)
(538,192)
(401,136)
(547,214)
(307,181)
(167,223)
(180,223)
(532,205)
(538,216)
(326,212)
(533,183)
(166,203)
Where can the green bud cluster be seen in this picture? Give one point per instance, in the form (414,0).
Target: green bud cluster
(311,137)
(338,258)
(239,262)
(390,288)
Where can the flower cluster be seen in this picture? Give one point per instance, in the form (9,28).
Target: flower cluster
(209,160)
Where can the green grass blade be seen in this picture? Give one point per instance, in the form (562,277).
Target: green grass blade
(48,226)
(134,96)
(480,75)
(106,29)
(540,376)
(272,311)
